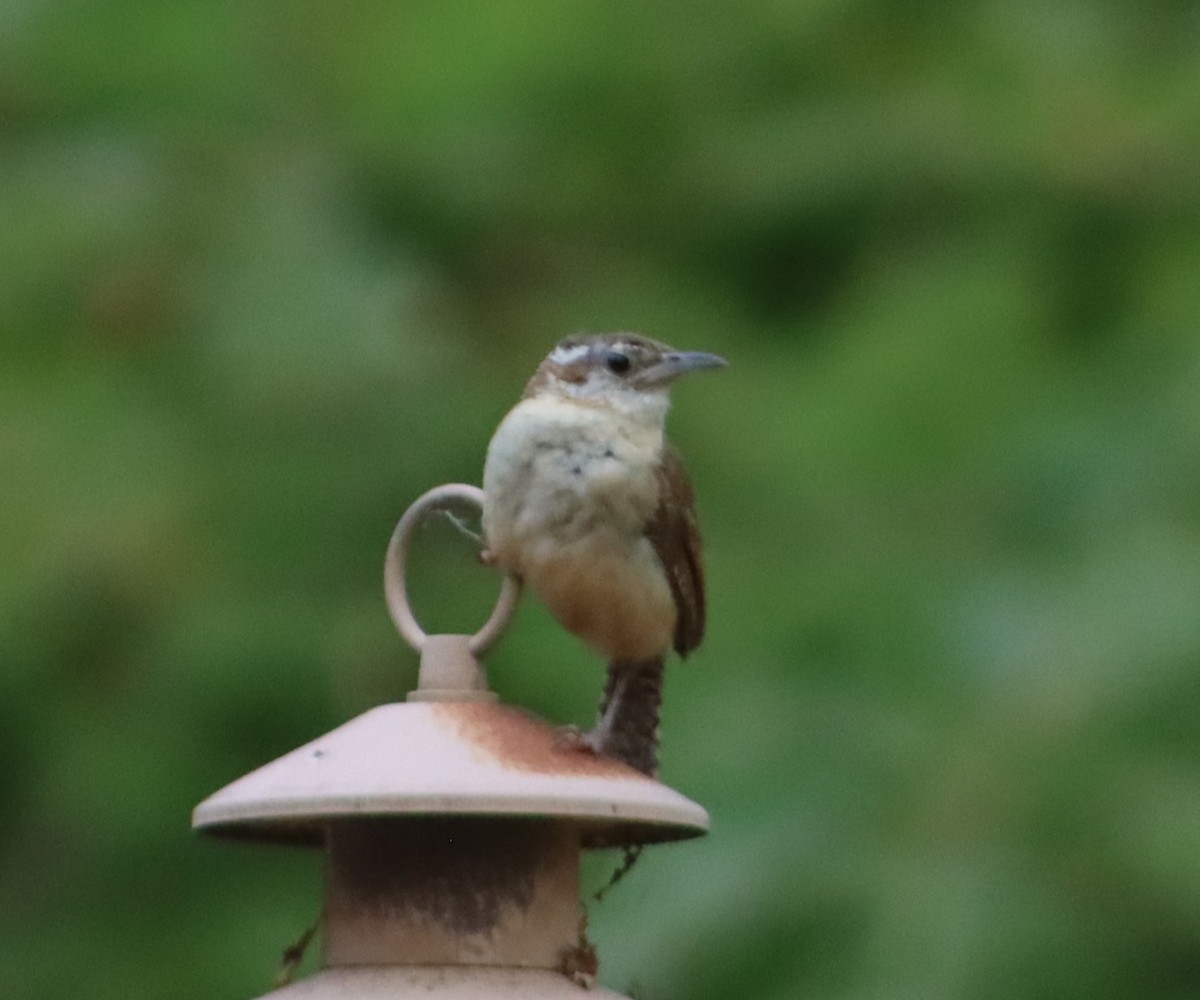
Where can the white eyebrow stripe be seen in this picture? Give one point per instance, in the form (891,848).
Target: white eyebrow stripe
(569,355)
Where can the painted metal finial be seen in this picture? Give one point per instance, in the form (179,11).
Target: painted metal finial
(450,667)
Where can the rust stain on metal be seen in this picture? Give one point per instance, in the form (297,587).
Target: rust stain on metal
(459,873)
(519,741)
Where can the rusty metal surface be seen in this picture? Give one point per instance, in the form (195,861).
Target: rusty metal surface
(448,758)
(451,890)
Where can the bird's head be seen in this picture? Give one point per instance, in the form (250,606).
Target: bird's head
(625,371)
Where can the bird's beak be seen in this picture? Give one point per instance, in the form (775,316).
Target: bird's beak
(676,363)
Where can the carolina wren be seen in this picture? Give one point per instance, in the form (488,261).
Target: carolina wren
(590,506)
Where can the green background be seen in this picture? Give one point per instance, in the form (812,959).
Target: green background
(270,270)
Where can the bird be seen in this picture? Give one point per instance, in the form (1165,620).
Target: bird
(589,506)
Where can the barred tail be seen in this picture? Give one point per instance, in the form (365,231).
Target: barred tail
(629,713)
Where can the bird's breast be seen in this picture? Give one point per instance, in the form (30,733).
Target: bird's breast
(568,492)
(568,470)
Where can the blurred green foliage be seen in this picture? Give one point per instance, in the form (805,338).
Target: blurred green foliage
(271,270)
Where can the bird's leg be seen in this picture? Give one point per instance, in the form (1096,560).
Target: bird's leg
(591,741)
(615,682)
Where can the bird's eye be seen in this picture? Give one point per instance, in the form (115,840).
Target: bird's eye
(617,362)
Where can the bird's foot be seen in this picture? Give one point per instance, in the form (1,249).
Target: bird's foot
(574,738)
(598,742)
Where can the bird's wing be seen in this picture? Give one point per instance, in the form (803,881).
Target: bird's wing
(675,535)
